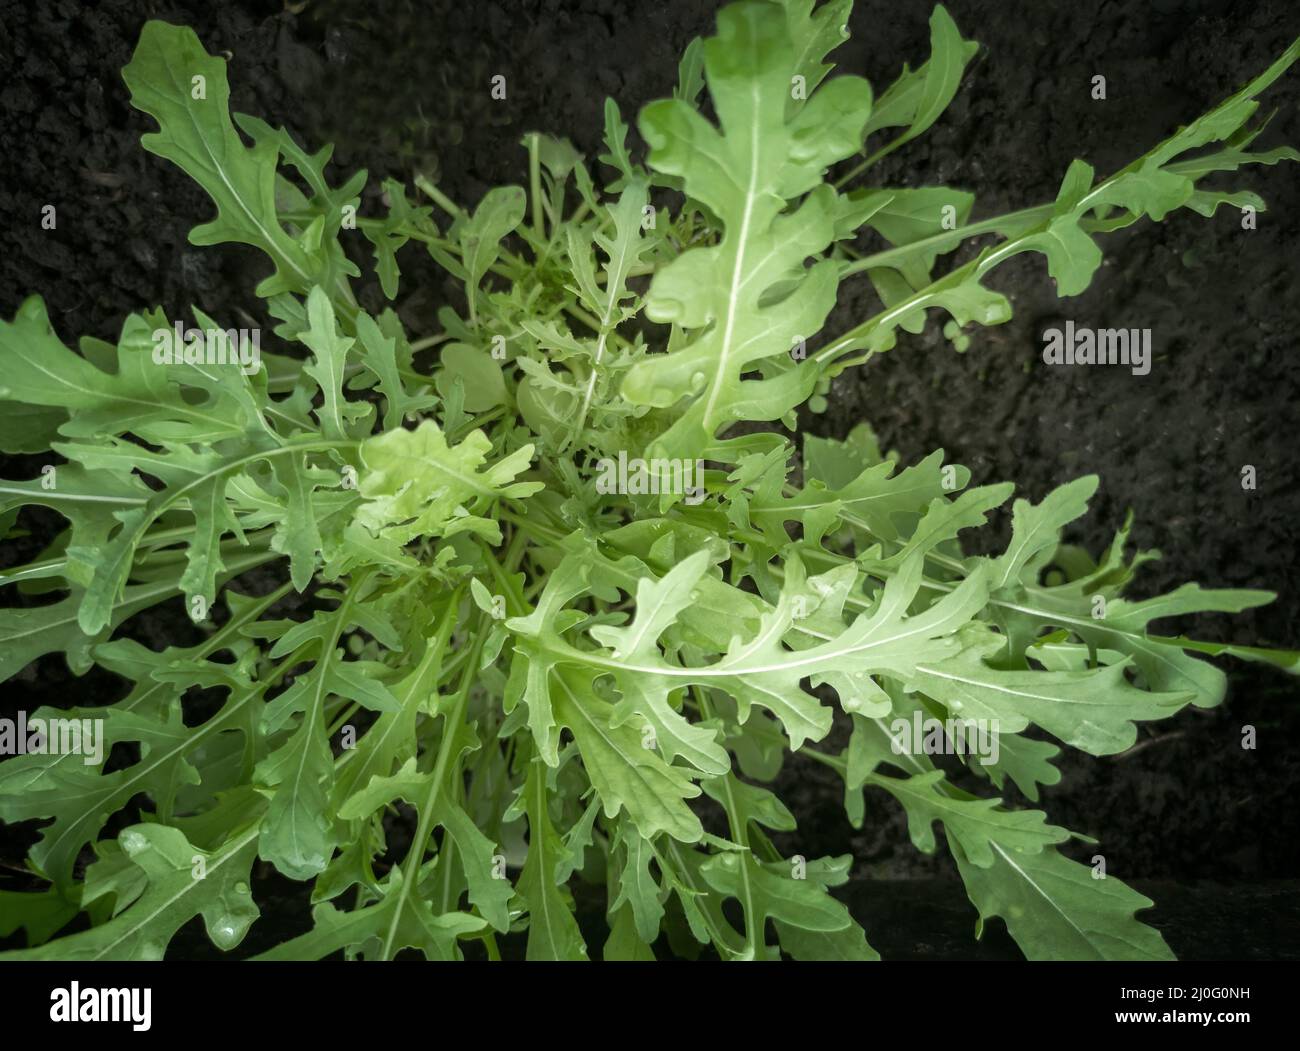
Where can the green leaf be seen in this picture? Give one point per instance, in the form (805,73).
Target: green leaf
(637,887)
(552,930)
(181,882)
(917,98)
(483,380)
(397,921)
(79,796)
(40,914)
(773,891)
(330,351)
(1163,662)
(977,825)
(173,79)
(623,942)
(1091,710)
(297,835)
(625,773)
(500,211)
(391,233)
(416,484)
(658,605)
(747,298)
(1026,762)
(1036,531)
(877,499)
(1056,909)
(905,217)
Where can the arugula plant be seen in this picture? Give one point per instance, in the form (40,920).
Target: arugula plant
(577,689)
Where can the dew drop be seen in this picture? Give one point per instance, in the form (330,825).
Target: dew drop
(133,842)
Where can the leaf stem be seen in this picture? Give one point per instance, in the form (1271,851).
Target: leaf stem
(739,833)
(439,198)
(453,714)
(535,186)
(961,233)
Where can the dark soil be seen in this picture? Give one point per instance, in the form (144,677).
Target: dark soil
(402,89)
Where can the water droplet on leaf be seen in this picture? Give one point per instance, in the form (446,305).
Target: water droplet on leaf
(133,842)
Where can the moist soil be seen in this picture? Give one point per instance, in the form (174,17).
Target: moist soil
(404,88)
